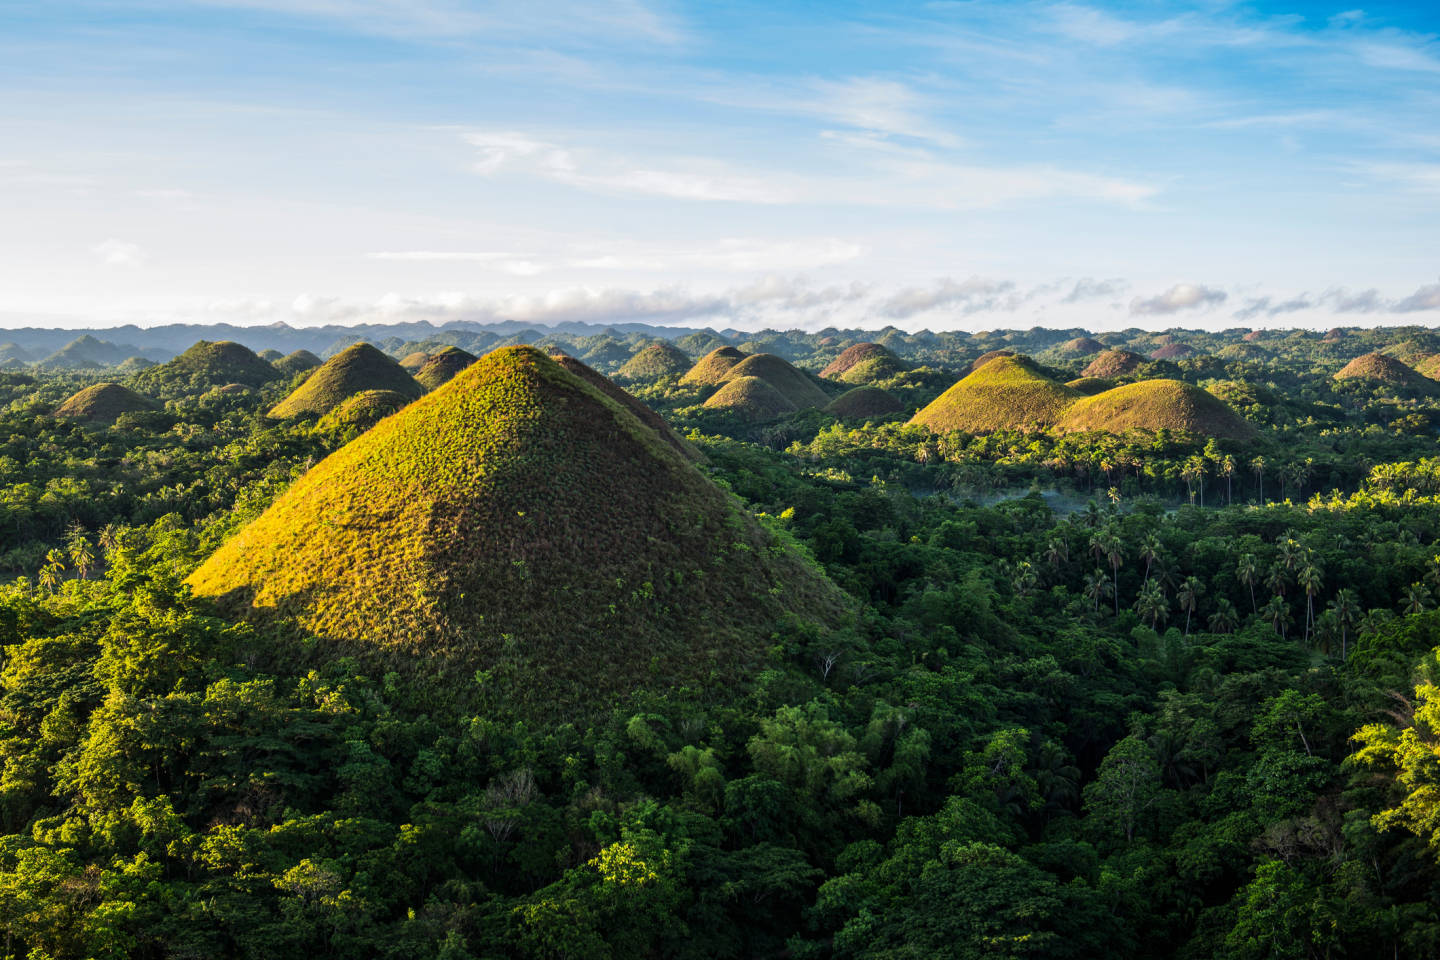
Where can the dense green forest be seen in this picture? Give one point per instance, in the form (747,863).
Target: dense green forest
(1132,693)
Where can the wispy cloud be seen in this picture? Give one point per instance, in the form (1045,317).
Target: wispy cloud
(964,296)
(1182,296)
(731,254)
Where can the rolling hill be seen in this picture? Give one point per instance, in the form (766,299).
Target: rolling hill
(1155,405)
(1382,369)
(710,370)
(1006,393)
(863,403)
(751,398)
(1114,363)
(103,403)
(363,410)
(520,522)
(442,366)
(206,365)
(794,384)
(296,362)
(353,370)
(864,363)
(655,362)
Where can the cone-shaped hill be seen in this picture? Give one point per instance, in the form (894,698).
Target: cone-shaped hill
(443,365)
(206,365)
(293,363)
(1156,405)
(414,361)
(1242,351)
(1090,386)
(655,362)
(1114,363)
(864,363)
(752,399)
(103,403)
(1386,370)
(363,410)
(863,403)
(1172,351)
(985,358)
(1082,346)
(519,521)
(642,413)
(1006,393)
(794,385)
(355,369)
(710,369)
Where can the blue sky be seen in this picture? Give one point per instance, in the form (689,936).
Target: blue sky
(947,165)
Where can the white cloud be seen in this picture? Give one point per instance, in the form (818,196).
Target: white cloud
(1182,296)
(734,254)
(1087,288)
(966,296)
(1418,177)
(118,253)
(1426,298)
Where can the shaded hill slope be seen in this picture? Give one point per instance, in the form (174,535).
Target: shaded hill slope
(1155,405)
(520,521)
(353,370)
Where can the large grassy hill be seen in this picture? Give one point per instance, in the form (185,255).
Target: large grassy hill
(656,362)
(1379,368)
(443,365)
(794,384)
(1156,405)
(1006,393)
(711,369)
(521,522)
(863,403)
(103,403)
(206,365)
(355,369)
(864,363)
(751,398)
(1114,363)
(642,413)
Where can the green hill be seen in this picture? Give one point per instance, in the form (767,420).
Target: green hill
(13,356)
(363,410)
(656,362)
(751,398)
(1156,405)
(863,403)
(1090,386)
(1006,393)
(103,403)
(864,363)
(353,370)
(1242,351)
(521,522)
(206,365)
(414,361)
(297,362)
(1381,369)
(1114,363)
(711,369)
(85,353)
(442,366)
(135,365)
(794,384)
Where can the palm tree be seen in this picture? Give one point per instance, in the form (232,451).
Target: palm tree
(51,573)
(1310,579)
(1151,603)
(82,553)
(1024,578)
(1189,596)
(1277,611)
(1277,580)
(109,537)
(1097,587)
(1290,553)
(1057,552)
(1149,552)
(1346,609)
(1248,571)
(1257,467)
(1114,552)
(1418,598)
(1227,470)
(1224,620)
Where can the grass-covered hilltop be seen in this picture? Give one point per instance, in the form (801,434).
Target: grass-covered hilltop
(520,521)
(631,641)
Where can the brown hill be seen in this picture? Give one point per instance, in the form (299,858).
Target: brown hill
(985,358)
(656,362)
(1114,363)
(1173,351)
(641,412)
(1382,369)
(864,363)
(1082,346)
(103,403)
(518,521)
